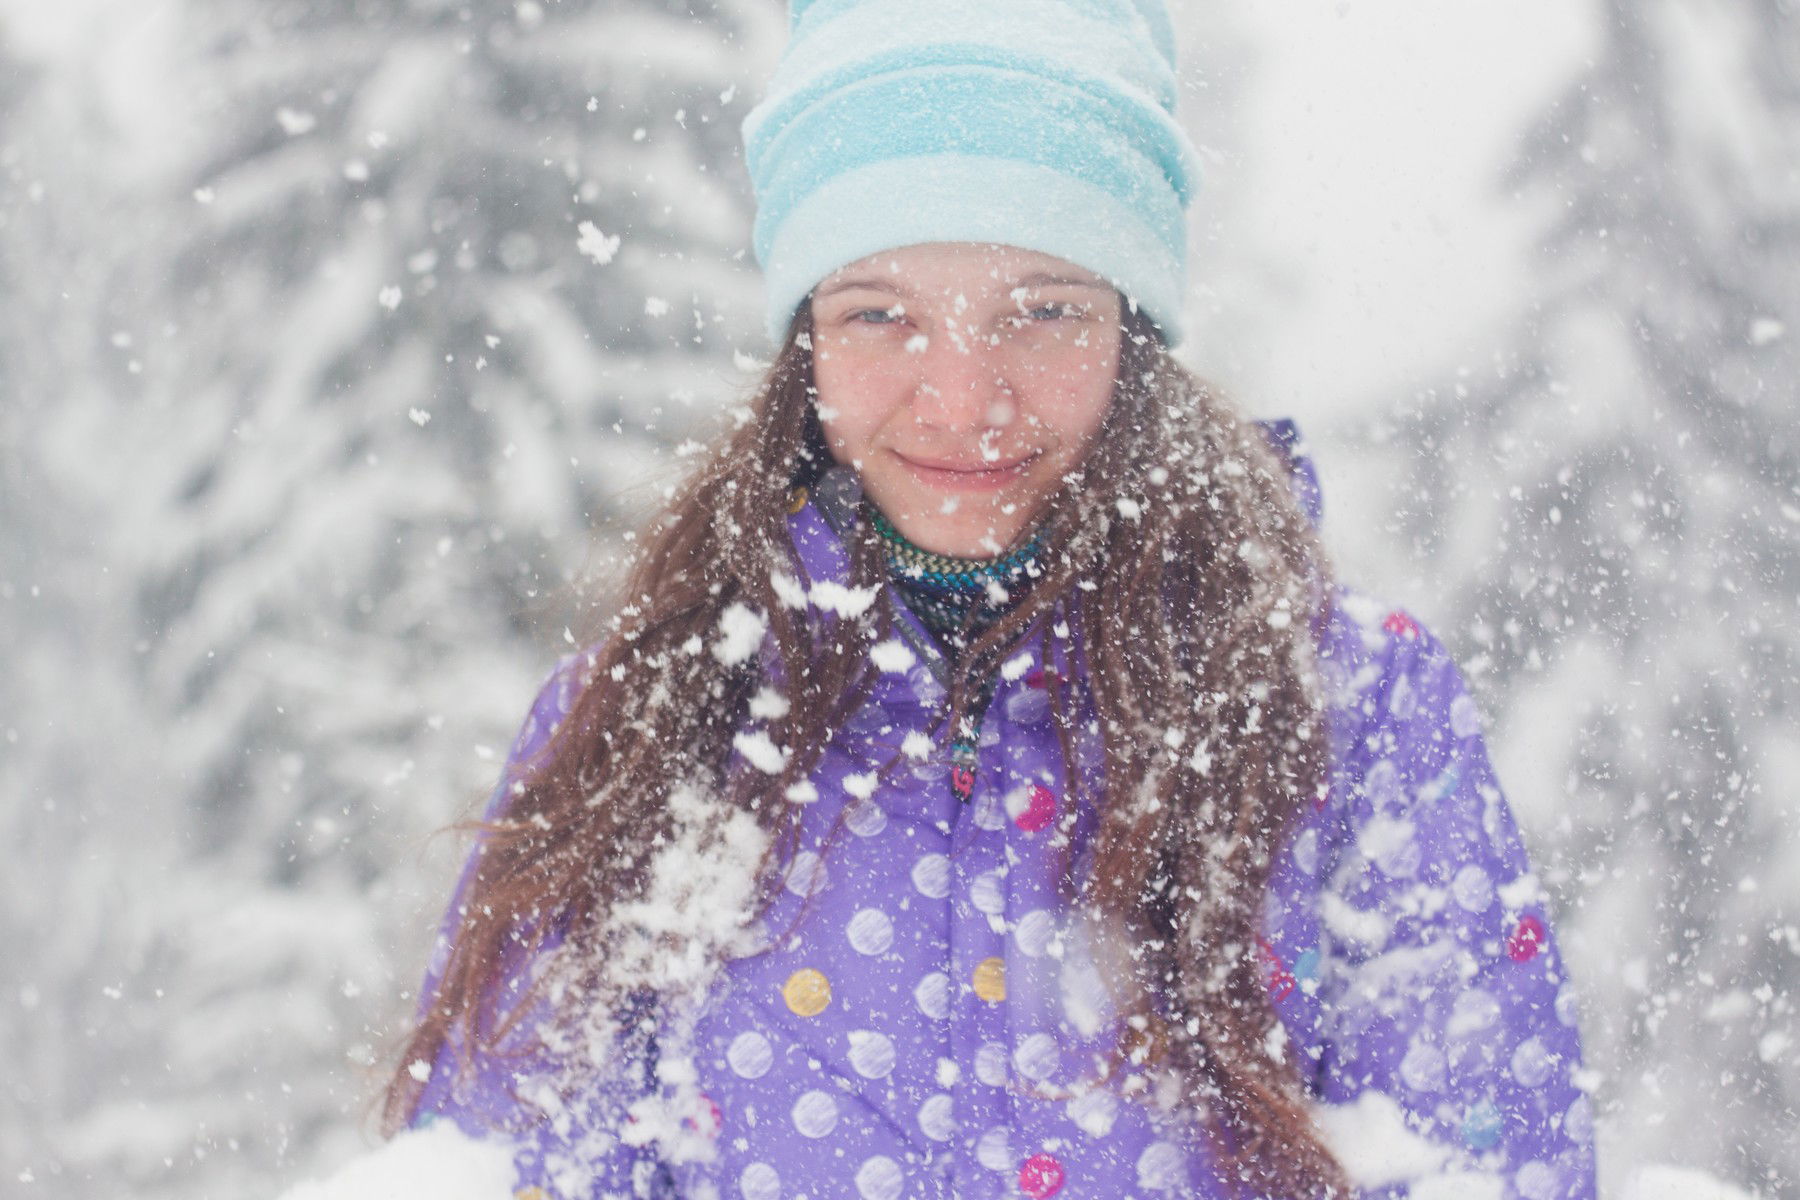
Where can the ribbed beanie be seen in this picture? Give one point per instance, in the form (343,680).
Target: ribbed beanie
(1043,124)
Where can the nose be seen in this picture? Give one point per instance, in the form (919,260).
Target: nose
(960,386)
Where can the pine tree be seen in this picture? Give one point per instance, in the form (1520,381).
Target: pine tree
(1613,509)
(363,382)
(75,761)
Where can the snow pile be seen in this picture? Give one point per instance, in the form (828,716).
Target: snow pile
(1680,1183)
(698,910)
(699,906)
(1371,1140)
(439,1162)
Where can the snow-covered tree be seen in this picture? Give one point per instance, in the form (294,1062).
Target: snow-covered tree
(400,304)
(1613,508)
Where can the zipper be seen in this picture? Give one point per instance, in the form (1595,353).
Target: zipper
(837,496)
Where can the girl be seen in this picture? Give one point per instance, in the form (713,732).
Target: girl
(985,790)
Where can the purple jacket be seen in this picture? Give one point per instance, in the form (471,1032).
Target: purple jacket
(921,1018)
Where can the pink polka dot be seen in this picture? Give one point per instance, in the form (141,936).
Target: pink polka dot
(1041,1176)
(1401,623)
(708,1121)
(1527,939)
(1040,809)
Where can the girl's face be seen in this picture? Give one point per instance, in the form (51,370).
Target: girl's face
(963,381)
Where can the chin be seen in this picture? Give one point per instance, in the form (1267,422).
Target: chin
(963,534)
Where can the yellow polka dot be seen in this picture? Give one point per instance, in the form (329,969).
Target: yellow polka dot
(796,500)
(807,992)
(990,979)
(531,1193)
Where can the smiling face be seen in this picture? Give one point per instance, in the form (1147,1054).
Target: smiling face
(963,381)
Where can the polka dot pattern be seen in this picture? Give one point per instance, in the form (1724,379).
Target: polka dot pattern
(807,992)
(750,1055)
(920,1010)
(871,931)
(1041,1176)
(759,1181)
(815,1113)
(871,1053)
(989,979)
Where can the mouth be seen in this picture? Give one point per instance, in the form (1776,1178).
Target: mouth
(975,476)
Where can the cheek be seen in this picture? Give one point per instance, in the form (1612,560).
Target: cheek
(1073,402)
(851,410)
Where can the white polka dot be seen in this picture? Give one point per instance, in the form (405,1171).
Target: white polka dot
(994,1150)
(1578,1122)
(871,1053)
(865,818)
(1034,932)
(937,1117)
(1037,1056)
(1094,1112)
(1160,1168)
(1475,1010)
(815,1113)
(1568,1005)
(1382,783)
(931,876)
(990,1064)
(1028,706)
(1536,1181)
(759,1182)
(1465,720)
(1306,851)
(1403,698)
(1423,1067)
(806,874)
(932,995)
(750,1056)
(1086,1001)
(987,892)
(989,813)
(1392,845)
(1531,1063)
(1473,889)
(870,931)
(879,1178)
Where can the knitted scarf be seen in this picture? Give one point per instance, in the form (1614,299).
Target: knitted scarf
(956,599)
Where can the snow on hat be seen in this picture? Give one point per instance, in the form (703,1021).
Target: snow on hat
(1043,124)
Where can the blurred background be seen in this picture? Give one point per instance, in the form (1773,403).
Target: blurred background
(341,341)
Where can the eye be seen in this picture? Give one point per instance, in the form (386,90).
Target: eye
(1046,313)
(878,316)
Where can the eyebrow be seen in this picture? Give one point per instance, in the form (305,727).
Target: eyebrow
(1035,280)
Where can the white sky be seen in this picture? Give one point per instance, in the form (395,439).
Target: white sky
(1377,133)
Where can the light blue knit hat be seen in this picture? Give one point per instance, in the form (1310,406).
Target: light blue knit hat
(1043,124)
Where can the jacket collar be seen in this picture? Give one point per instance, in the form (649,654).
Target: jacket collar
(820,520)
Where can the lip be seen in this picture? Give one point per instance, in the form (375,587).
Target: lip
(967,477)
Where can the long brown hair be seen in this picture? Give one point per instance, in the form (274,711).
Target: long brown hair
(1181,554)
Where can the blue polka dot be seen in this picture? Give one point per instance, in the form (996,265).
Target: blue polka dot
(1481,1128)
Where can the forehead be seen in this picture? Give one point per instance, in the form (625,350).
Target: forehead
(959,268)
